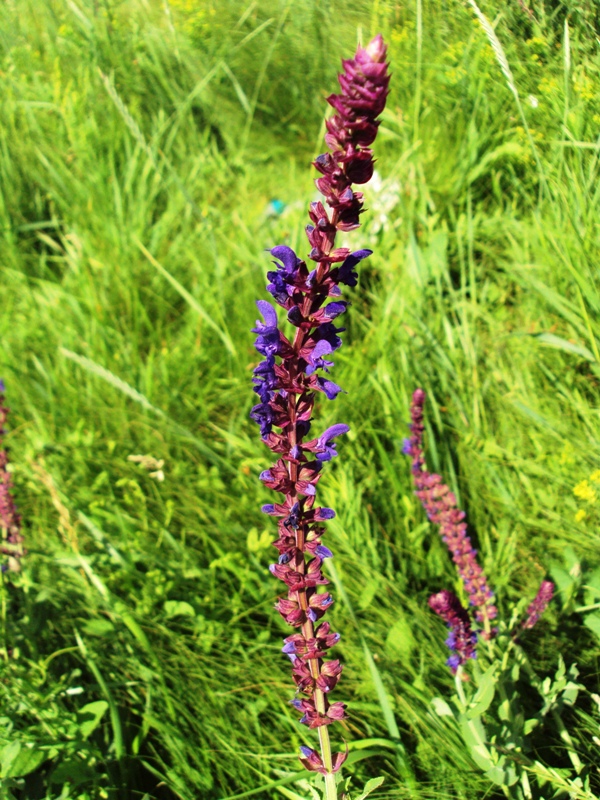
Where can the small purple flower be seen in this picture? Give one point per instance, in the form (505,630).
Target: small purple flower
(329,333)
(291,262)
(329,388)
(268,341)
(315,359)
(324,446)
(347,273)
(334,310)
(263,415)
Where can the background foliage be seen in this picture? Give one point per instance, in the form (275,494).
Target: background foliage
(141,146)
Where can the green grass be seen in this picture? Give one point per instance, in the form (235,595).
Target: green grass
(140,145)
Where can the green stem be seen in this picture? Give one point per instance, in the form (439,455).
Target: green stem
(459,687)
(566,738)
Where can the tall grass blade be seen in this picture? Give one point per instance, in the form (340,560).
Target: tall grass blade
(507,72)
(190,300)
(110,377)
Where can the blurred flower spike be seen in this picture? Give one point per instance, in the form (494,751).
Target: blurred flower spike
(462,640)
(11,545)
(441,508)
(539,604)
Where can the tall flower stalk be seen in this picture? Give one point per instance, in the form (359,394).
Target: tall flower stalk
(10,519)
(442,509)
(11,540)
(287,381)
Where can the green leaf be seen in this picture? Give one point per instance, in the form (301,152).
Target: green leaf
(481,756)
(8,756)
(592,621)
(473,734)
(370,786)
(570,693)
(400,642)
(502,776)
(73,771)
(529,725)
(179,608)
(564,581)
(98,627)
(558,343)
(89,717)
(504,710)
(441,707)
(21,760)
(485,693)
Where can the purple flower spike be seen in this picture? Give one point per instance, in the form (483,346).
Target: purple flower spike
(539,604)
(462,640)
(441,508)
(11,543)
(290,377)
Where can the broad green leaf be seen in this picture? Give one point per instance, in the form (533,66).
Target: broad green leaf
(400,642)
(529,725)
(27,760)
(485,693)
(98,627)
(441,707)
(504,710)
(89,717)
(8,756)
(570,693)
(496,775)
(564,581)
(592,621)
(370,786)
(502,776)
(473,734)
(179,608)
(482,757)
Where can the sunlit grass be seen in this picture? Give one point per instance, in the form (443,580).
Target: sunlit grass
(140,147)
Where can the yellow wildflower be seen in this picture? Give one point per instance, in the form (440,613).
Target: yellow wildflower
(584,491)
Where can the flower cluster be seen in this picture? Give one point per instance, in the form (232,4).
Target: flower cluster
(441,508)
(539,604)
(462,640)
(293,371)
(10,519)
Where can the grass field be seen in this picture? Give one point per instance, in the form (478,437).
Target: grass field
(141,146)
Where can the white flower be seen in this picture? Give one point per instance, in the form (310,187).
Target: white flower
(150,463)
